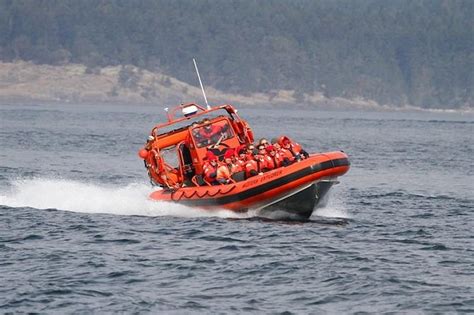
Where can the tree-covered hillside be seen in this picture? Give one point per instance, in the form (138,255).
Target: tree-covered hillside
(418,52)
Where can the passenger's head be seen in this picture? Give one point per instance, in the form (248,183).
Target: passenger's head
(251,149)
(261,149)
(285,142)
(263,141)
(242,152)
(228,155)
(270,150)
(207,122)
(211,157)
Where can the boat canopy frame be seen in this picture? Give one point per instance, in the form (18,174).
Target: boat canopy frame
(201,112)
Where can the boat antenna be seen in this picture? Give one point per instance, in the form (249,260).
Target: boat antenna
(200,83)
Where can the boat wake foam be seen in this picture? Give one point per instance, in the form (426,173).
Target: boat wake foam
(76,196)
(331,208)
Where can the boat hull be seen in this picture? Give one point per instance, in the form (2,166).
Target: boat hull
(301,205)
(295,190)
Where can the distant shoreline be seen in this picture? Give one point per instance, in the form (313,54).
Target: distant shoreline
(31,102)
(27,83)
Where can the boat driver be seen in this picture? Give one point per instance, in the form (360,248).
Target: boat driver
(195,132)
(211,133)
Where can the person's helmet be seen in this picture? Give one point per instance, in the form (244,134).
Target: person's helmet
(270,148)
(151,138)
(284,140)
(242,149)
(211,156)
(229,154)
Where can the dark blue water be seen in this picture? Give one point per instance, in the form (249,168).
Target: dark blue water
(77,233)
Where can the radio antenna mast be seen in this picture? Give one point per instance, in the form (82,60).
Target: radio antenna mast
(200,83)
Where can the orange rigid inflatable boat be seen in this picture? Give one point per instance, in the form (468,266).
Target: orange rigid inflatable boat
(176,152)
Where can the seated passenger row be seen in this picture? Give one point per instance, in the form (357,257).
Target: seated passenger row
(246,161)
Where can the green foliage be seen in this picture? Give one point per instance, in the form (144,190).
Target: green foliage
(418,52)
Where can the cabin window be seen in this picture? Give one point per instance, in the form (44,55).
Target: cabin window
(170,156)
(214,133)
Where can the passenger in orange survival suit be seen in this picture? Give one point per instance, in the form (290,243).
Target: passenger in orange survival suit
(295,149)
(210,168)
(225,170)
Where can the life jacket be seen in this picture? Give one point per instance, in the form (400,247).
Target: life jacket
(251,168)
(235,167)
(249,156)
(282,160)
(294,148)
(208,134)
(241,163)
(271,162)
(223,173)
(209,172)
(261,162)
(284,153)
(279,159)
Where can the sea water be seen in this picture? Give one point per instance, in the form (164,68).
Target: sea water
(78,233)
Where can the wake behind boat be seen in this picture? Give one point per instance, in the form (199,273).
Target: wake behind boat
(204,159)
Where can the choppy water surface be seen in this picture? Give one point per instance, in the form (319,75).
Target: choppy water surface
(77,233)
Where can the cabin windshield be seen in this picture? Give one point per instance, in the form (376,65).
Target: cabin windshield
(211,134)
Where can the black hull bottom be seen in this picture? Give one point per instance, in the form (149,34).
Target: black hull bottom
(301,205)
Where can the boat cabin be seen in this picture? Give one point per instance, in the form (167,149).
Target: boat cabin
(176,150)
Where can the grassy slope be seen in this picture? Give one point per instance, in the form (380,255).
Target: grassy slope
(73,83)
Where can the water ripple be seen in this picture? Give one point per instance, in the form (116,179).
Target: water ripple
(78,234)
